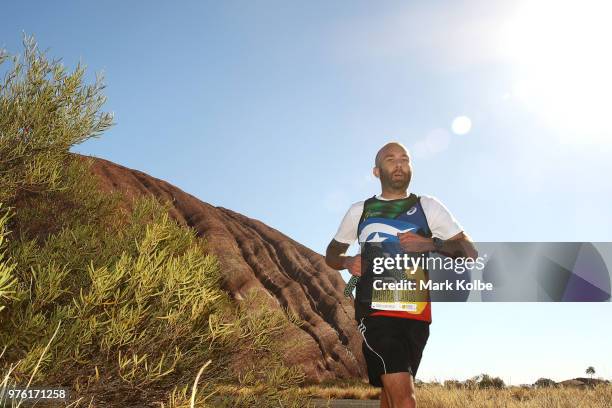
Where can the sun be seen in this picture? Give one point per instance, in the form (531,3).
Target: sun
(461,125)
(561,51)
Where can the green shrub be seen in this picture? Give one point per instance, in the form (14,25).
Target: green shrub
(131,299)
(43,112)
(7,280)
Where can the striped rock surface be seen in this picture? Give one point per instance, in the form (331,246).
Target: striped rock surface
(253,255)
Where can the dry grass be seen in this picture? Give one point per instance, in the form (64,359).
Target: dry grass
(439,397)
(435,396)
(339,392)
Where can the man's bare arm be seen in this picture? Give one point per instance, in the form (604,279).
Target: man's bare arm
(459,246)
(334,256)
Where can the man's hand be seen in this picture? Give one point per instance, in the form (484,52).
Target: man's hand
(459,245)
(335,258)
(353,264)
(412,242)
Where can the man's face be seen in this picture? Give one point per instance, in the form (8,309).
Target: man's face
(394,168)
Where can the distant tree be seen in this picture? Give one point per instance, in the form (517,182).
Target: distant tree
(486,381)
(545,383)
(452,384)
(470,383)
(590,371)
(498,383)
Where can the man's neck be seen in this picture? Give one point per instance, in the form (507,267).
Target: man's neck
(393,195)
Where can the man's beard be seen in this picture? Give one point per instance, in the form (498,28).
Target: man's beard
(397,183)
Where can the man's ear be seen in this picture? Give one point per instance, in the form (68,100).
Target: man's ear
(376,172)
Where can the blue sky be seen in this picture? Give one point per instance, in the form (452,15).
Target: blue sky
(276,110)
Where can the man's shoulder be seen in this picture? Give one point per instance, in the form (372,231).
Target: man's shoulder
(429,200)
(432,206)
(427,197)
(357,206)
(441,221)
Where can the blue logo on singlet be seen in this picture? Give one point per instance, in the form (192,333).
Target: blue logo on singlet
(384,229)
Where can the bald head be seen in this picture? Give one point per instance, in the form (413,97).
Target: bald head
(388,149)
(393,168)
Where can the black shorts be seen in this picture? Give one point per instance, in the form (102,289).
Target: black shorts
(392,345)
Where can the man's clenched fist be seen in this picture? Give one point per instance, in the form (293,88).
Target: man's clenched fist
(353,264)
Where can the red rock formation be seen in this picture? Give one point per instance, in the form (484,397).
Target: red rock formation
(253,255)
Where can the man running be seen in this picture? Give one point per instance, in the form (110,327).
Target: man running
(394,324)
